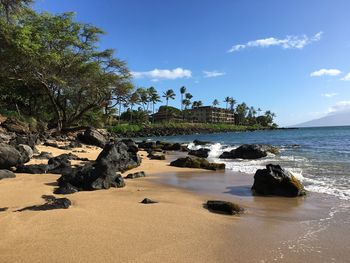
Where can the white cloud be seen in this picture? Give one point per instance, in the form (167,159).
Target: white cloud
(213,74)
(289,42)
(340,106)
(325,72)
(347,77)
(329,95)
(157,74)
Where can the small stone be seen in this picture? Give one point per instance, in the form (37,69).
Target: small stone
(223,207)
(148,201)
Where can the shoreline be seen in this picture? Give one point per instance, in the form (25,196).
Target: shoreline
(112,226)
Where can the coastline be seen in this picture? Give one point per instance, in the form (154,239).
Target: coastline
(112,226)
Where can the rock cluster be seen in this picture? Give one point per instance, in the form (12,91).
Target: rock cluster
(115,157)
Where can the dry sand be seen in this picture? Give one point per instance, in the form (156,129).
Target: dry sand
(112,226)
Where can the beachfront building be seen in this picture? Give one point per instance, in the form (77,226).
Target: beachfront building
(210,114)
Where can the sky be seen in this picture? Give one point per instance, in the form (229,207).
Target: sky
(291,57)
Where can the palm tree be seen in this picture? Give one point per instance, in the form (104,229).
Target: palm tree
(227,100)
(259,110)
(197,104)
(169,94)
(182,92)
(134,99)
(232,103)
(216,103)
(186,103)
(188,96)
(154,98)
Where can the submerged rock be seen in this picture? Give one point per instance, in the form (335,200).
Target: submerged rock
(198,142)
(192,162)
(6,174)
(276,181)
(249,151)
(202,152)
(223,207)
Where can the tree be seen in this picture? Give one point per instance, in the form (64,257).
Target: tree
(186,103)
(58,57)
(134,99)
(227,100)
(241,113)
(215,103)
(182,92)
(169,94)
(10,8)
(197,104)
(232,104)
(154,98)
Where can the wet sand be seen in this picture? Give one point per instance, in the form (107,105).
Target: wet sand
(112,226)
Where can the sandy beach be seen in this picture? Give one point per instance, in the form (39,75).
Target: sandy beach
(113,226)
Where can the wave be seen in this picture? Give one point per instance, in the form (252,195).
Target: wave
(298,165)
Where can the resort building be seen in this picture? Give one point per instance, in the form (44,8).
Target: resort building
(210,114)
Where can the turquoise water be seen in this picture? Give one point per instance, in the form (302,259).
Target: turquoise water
(320,157)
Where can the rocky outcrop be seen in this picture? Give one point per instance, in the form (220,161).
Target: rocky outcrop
(192,162)
(13,125)
(202,152)
(223,207)
(249,151)
(56,165)
(10,156)
(276,181)
(115,157)
(94,137)
(6,174)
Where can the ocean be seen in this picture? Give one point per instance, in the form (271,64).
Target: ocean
(319,157)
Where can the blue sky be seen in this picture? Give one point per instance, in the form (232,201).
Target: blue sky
(291,57)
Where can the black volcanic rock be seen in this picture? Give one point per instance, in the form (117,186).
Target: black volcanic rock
(115,157)
(92,136)
(276,181)
(223,207)
(249,151)
(202,152)
(192,162)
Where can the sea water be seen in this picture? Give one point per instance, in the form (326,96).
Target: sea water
(320,157)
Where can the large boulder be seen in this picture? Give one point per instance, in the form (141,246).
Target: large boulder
(26,152)
(92,136)
(6,174)
(10,156)
(192,162)
(115,157)
(276,181)
(202,152)
(27,139)
(249,151)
